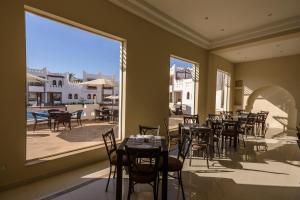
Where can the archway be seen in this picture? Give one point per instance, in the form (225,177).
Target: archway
(278,101)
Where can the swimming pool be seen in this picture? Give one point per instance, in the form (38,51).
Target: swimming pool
(42,115)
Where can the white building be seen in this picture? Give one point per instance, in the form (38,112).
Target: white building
(182,89)
(62,89)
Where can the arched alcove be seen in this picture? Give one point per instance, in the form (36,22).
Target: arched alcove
(278,101)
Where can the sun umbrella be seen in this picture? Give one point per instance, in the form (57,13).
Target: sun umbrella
(34,79)
(98,82)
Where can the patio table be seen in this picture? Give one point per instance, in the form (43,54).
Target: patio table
(54,115)
(155,143)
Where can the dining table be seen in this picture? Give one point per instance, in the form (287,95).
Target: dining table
(139,141)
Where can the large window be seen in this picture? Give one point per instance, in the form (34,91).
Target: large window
(223,91)
(69,71)
(182,89)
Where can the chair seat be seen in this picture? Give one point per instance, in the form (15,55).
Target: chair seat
(173,164)
(114,159)
(144,174)
(229,133)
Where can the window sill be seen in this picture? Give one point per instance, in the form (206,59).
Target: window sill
(65,154)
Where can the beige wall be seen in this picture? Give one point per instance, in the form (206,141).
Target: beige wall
(280,72)
(215,63)
(148,51)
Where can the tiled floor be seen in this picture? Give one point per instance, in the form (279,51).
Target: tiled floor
(266,169)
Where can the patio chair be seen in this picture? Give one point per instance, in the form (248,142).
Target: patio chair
(147,130)
(38,118)
(64,118)
(175,164)
(111,148)
(102,114)
(77,116)
(191,119)
(141,173)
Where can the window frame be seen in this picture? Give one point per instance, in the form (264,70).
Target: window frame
(122,71)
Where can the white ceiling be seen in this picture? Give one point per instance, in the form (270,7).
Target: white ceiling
(217,23)
(270,48)
(234,16)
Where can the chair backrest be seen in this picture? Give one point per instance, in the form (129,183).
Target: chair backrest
(79,113)
(231,126)
(53,110)
(34,116)
(135,155)
(190,119)
(110,142)
(214,117)
(251,119)
(184,147)
(115,113)
(146,130)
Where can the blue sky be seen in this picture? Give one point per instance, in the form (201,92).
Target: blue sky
(63,48)
(180,63)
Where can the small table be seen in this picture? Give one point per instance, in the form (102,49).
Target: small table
(54,115)
(164,152)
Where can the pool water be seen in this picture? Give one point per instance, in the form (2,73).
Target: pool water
(42,115)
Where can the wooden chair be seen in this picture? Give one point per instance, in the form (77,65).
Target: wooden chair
(143,172)
(147,130)
(111,149)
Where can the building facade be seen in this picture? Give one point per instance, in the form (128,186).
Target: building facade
(182,89)
(64,88)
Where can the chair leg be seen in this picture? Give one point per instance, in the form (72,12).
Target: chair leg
(108,179)
(207,156)
(115,172)
(34,126)
(180,182)
(218,148)
(155,190)
(129,189)
(191,154)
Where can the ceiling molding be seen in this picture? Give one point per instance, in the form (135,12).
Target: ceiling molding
(153,15)
(281,26)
